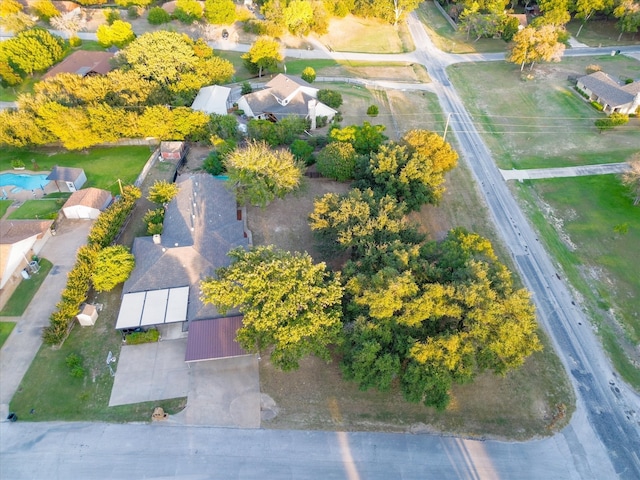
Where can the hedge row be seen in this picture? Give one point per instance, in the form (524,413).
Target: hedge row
(75,293)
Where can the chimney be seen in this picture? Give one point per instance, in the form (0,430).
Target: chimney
(312,113)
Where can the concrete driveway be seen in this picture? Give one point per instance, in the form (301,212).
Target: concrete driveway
(221,393)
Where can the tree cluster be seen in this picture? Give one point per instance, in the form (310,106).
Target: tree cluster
(421,316)
(155,70)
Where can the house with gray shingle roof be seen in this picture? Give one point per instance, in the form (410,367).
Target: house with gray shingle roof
(284,96)
(200,226)
(614,96)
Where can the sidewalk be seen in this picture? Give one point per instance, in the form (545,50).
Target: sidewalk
(21,347)
(581,171)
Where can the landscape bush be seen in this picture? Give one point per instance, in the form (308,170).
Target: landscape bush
(102,234)
(158,16)
(74,362)
(136,338)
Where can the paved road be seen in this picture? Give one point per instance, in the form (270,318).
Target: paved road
(579,171)
(611,408)
(107,451)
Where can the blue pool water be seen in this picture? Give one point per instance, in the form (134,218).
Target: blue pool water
(23,181)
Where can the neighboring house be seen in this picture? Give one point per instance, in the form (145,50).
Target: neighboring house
(173,150)
(83,63)
(614,96)
(285,96)
(212,99)
(202,223)
(87,203)
(68,179)
(19,241)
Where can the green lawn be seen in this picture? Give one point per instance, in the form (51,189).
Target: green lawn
(38,209)
(27,289)
(543,122)
(5,330)
(601,33)
(51,393)
(103,166)
(601,263)
(4,206)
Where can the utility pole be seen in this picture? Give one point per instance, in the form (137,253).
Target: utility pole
(120,182)
(446,127)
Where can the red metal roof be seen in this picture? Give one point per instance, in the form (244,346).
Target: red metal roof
(214,338)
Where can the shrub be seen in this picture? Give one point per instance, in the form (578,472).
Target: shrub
(373,111)
(45,10)
(74,362)
(188,11)
(597,106)
(213,164)
(593,68)
(157,16)
(246,88)
(136,338)
(330,98)
(75,41)
(111,15)
(134,12)
(308,75)
(302,151)
(17,163)
(338,161)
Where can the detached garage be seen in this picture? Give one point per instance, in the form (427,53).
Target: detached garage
(86,204)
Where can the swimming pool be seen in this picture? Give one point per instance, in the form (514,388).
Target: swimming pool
(23,181)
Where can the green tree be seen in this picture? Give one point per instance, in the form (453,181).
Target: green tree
(188,11)
(554,12)
(260,174)
(430,327)
(302,151)
(365,139)
(119,33)
(628,14)
(614,120)
(584,10)
(264,54)
(358,221)
(289,303)
(533,45)
(160,56)
(331,98)
(337,160)
(298,17)
(162,192)
(32,50)
(21,128)
(112,266)
(308,74)
(373,111)
(220,12)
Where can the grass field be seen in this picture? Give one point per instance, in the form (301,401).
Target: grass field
(21,297)
(4,206)
(521,405)
(543,122)
(601,33)
(38,209)
(586,234)
(449,40)
(103,166)
(5,330)
(367,35)
(49,390)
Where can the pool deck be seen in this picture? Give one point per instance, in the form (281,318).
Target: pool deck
(23,195)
